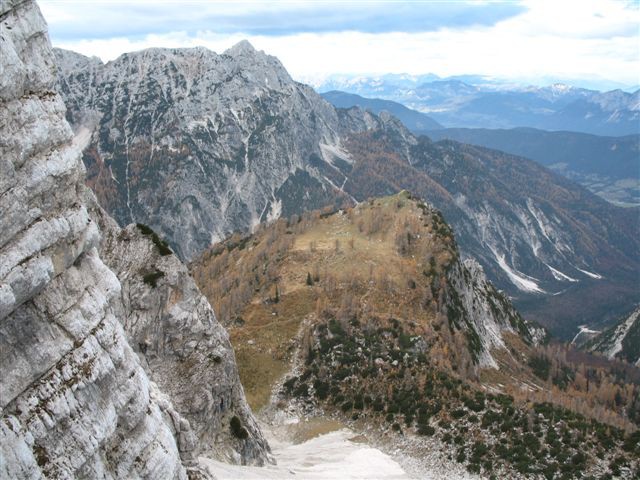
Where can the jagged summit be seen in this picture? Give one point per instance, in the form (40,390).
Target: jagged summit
(242,48)
(236,128)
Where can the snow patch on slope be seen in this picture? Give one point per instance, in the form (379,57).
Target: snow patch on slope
(584,330)
(276,211)
(558,275)
(524,283)
(590,274)
(329,456)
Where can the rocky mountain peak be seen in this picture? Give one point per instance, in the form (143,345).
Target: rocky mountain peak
(258,67)
(67,60)
(242,48)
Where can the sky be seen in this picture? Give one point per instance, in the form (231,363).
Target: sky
(594,42)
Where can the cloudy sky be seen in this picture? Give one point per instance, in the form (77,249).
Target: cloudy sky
(585,42)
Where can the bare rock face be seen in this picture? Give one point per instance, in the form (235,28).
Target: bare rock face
(486,314)
(177,336)
(198,145)
(621,341)
(75,400)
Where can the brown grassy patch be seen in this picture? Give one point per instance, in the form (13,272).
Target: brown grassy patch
(271,329)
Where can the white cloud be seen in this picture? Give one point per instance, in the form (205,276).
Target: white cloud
(563,39)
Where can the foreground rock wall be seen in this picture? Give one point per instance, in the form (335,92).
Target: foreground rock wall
(183,347)
(75,401)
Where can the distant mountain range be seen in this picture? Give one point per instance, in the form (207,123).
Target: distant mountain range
(476,103)
(377,85)
(412,119)
(608,166)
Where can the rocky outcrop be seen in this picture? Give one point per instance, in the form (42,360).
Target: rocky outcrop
(172,327)
(621,341)
(473,304)
(75,399)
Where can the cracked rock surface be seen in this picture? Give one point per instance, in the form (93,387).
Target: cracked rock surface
(76,401)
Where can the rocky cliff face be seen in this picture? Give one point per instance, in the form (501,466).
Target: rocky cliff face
(621,341)
(197,145)
(476,306)
(227,139)
(75,402)
(175,332)
(75,399)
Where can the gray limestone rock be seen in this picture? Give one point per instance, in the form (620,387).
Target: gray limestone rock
(179,340)
(197,144)
(75,399)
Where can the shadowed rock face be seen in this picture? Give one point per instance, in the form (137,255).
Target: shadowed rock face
(75,399)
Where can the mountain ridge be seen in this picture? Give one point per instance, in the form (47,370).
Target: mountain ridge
(607,166)
(368,316)
(412,119)
(199,153)
(457,104)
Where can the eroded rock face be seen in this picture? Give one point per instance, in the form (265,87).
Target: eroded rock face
(198,145)
(75,400)
(176,334)
(485,313)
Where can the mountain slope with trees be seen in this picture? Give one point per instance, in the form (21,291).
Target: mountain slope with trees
(369,316)
(198,145)
(608,166)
